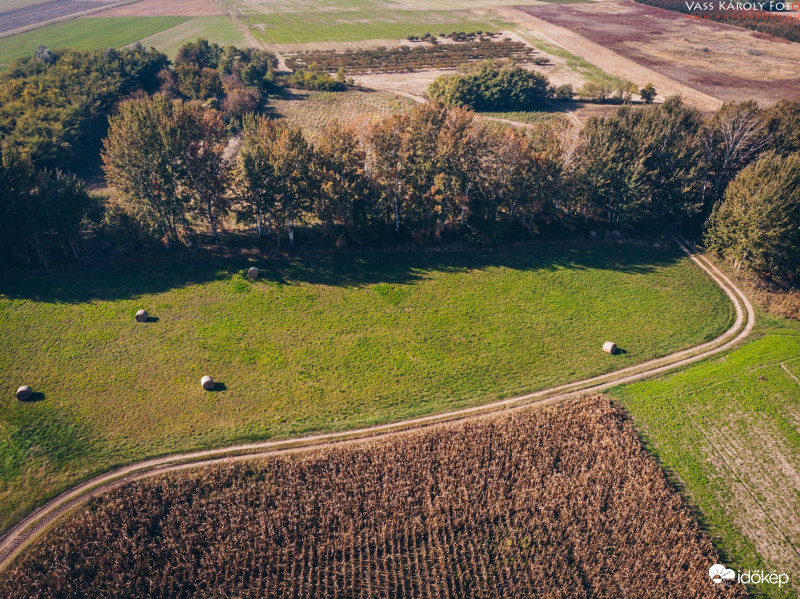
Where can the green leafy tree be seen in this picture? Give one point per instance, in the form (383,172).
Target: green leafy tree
(198,83)
(757,226)
(421,198)
(62,202)
(642,166)
(783,122)
(199,53)
(460,153)
(274,175)
(38,210)
(315,78)
(56,111)
(388,159)
(492,87)
(648,93)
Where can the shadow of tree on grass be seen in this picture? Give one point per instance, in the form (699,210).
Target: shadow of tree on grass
(338,270)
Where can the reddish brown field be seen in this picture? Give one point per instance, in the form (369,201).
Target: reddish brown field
(720,60)
(559,502)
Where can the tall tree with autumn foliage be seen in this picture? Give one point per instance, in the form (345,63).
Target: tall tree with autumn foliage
(343,197)
(165,159)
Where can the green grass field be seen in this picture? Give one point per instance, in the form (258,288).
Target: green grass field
(85,34)
(216,29)
(365,24)
(286,22)
(729,430)
(317,344)
(529,117)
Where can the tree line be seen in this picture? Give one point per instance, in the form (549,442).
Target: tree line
(438,171)
(177,164)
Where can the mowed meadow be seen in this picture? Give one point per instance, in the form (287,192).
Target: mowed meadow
(85,34)
(315,344)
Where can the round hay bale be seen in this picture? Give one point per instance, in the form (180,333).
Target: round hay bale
(141,316)
(207,382)
(610,347)
(252,272)
(24,393)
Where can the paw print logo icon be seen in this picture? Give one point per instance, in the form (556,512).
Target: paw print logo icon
(718,573)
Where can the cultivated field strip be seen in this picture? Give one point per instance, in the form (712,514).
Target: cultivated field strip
(536,502)
(38,15)
(13,542)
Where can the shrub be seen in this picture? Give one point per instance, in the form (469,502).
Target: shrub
(489,87)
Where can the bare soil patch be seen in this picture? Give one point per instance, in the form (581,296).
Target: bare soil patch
(160,8)
(722,61)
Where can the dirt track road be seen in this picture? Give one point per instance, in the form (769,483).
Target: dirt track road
(13,542)
(607,60)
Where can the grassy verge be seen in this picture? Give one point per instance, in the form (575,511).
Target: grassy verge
(315,344)
(728,431)
(530,117)
(85,34)
(575,63)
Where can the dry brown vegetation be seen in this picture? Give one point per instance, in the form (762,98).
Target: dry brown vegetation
(312,111)
(555,502)
(408,58)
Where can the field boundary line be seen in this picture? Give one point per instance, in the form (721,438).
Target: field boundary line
(41,519)
(789,372)
(61,19)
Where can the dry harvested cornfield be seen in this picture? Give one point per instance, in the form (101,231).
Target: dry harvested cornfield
(560,502)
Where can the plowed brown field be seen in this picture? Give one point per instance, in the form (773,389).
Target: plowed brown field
(717,60)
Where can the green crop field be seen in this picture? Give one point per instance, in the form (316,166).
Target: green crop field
(216,29)
(284,22)
(303,28)
(85,34)
(729,430)
(315,344)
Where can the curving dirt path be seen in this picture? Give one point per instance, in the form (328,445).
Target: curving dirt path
(16,539)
